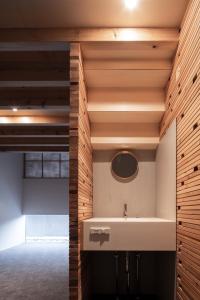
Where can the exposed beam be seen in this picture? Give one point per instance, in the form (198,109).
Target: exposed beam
(36,84)
(127,78)
(124,64)
(90,35)
(33,148)
(27,131)
(125,116)
(46,46)
(104,97)
(29,97)
(34,112)
(124,130)
(108,143)
(122,100)
(39,141)
(129,50)
(30,120)
(126,105)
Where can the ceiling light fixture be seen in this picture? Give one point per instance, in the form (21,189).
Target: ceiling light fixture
(130,4)
(15,109)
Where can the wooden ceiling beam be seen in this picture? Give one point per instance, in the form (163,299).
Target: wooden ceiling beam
(35,84)
(33,148)
(38,141)
(90,35)
(124,64)
(124,130)
(125,116)
(104,97)
(32,73)
(27,131)
(127,78)
(110,143)
(29,97)
(35,47)
(30,120)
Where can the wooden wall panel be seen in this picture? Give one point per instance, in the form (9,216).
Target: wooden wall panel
(80,177)
(183,103)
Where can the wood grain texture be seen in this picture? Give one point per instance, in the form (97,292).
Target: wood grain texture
(80,182)
(162,35)
(183,103)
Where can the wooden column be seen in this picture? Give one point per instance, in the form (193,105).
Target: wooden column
(80,182)
(183,103)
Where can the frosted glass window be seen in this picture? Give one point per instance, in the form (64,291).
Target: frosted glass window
(65,156)
(46,165)
(51,156)
(64,169)
(33,169)
(34,156)
(51,169)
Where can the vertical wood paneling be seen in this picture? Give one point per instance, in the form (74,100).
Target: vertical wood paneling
(80,176)
(183,103)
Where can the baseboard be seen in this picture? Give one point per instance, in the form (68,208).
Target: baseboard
(47,239)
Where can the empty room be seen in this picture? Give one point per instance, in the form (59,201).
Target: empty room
(34,228)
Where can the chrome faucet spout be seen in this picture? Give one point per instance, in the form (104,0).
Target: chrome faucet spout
(125,210)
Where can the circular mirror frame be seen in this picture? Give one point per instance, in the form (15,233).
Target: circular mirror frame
(124,179)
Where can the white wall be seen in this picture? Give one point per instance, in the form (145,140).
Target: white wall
(166,175)
(46,206)
(45,197)
(47,226)
(12,223)
(110,194)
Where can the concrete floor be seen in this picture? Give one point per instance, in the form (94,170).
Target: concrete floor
(34,271)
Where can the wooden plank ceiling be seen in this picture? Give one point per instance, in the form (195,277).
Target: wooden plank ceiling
(34,79)
(126,84)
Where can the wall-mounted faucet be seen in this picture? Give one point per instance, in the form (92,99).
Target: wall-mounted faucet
(125,210)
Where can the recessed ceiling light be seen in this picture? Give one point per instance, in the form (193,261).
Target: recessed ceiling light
(15,109)
(130,4)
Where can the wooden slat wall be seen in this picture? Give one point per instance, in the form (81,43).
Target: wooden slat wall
(80,184)
(183,103)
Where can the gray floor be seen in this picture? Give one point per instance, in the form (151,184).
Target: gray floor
(34,271)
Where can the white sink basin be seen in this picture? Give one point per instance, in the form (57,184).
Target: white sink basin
(129,234)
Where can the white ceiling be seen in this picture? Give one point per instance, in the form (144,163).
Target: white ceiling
(90,13)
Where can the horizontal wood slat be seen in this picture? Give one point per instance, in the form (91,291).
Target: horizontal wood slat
(46,131)
(34,148)
(80,178)
(34,141)
(183,103)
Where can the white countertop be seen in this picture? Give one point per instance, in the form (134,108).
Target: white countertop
(127,219)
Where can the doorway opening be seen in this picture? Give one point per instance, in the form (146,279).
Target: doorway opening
(34,225)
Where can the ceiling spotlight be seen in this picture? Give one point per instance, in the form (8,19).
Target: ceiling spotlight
(15,109)
(130,4)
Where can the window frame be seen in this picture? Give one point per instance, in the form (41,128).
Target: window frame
(42,160)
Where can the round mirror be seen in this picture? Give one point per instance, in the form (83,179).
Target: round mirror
(124,166)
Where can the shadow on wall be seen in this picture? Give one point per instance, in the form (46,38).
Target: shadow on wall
(12,222)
